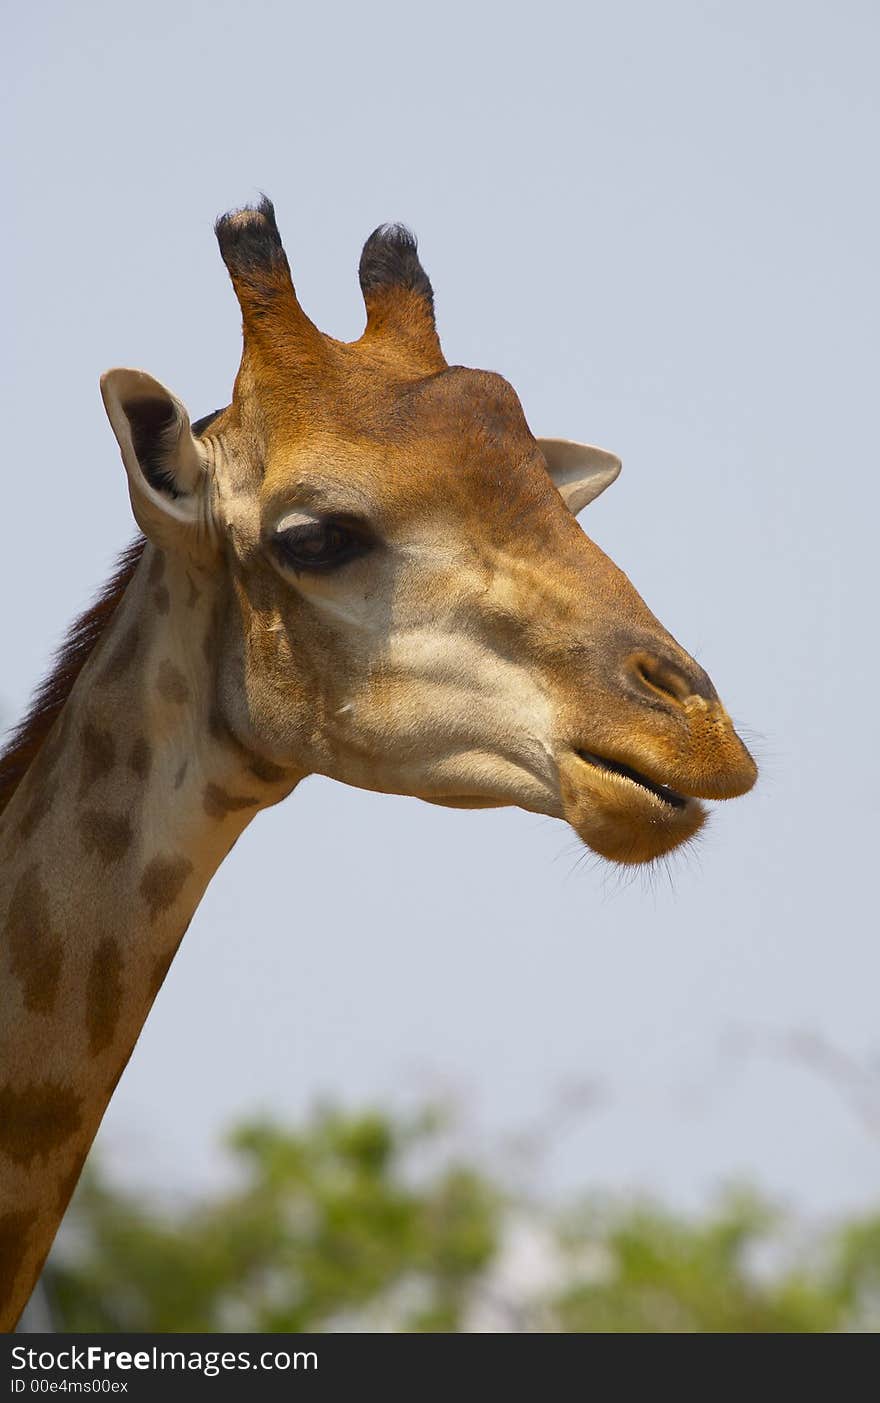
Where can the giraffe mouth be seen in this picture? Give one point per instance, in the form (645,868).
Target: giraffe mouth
(630,776)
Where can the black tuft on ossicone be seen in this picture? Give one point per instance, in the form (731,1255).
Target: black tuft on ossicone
(390,259)
(249,240)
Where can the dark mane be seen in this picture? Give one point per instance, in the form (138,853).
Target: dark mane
(28,736)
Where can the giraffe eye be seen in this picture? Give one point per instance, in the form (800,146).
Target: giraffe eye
(321,545)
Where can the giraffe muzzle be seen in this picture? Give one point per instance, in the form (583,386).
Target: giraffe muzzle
(663,792)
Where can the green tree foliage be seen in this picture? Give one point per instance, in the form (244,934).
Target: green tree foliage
(324,1232)
(331,1228)
(659,1273)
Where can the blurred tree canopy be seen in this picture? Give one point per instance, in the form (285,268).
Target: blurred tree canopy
(348,1224)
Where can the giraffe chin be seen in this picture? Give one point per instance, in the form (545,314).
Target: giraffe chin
(623,817)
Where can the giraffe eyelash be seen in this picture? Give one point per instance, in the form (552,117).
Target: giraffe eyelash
(321,546)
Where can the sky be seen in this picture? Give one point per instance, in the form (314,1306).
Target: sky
(661,224)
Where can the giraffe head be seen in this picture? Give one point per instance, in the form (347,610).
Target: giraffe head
(406,601)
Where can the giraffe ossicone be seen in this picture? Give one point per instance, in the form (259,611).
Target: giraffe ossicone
(365,566)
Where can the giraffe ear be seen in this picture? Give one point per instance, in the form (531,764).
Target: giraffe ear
(165,463)
(580,471)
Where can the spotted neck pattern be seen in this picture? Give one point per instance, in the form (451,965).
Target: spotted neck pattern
(106,847)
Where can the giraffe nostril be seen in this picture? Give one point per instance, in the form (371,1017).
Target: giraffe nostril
(674,680)
(662,678)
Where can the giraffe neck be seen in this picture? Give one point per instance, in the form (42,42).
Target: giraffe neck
(106,849)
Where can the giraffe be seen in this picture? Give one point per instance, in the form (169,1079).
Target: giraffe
(365,567)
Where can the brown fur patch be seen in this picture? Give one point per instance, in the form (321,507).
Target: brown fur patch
(171,683)
(162,599)
(218,803)
(181,774)
(141,758)
(266,771)
(103,995)
(34,949)
(98,756)
(108,835)
(157,567)
(36,1120)
(162,882)
(31,734)
(122,656)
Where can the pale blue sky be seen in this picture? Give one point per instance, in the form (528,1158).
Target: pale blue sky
(661,223)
